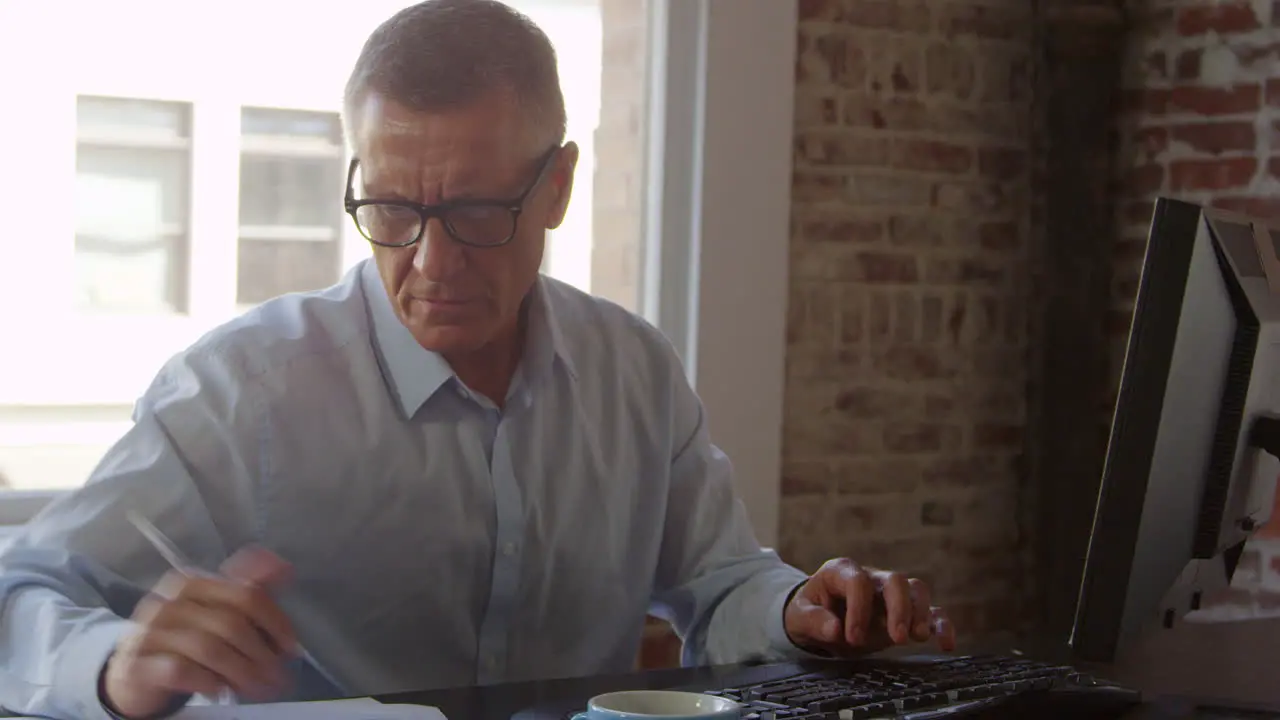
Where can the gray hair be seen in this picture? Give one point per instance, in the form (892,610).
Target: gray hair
(443,54)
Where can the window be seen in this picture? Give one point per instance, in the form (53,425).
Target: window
(292,167)
(680,203)
(133,168)
(213,182)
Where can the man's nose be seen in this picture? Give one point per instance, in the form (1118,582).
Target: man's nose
(438,257)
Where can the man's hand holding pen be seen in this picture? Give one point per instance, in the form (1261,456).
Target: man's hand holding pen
(203,634)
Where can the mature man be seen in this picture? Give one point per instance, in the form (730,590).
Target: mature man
(444,470)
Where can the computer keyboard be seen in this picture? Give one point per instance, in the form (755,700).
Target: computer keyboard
(854,691)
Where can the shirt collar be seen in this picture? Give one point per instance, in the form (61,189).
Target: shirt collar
(413,374)
(545,327)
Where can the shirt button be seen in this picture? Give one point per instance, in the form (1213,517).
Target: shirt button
(508,548)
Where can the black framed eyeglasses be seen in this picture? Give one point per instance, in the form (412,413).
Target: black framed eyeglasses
(478,223)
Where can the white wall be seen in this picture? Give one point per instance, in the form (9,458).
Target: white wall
(743,231)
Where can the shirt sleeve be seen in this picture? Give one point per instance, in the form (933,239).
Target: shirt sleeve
(722,592)
(73,575)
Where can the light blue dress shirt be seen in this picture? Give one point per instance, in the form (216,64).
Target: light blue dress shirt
(437,540)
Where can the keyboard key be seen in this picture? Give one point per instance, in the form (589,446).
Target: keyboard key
(780,688)
(804,700)
(858,713)
(839,702)
(916,702)
(973,693)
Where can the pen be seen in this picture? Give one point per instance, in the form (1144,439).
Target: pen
(178,561)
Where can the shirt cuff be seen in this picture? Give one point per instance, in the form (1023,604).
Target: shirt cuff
(776,627)
(179,701)
(80,663)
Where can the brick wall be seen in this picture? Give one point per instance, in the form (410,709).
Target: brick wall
(1201,122)
(907,339)
(913,238)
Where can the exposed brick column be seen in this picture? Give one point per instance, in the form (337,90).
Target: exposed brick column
(907,339)
(1202,109)
(618,190)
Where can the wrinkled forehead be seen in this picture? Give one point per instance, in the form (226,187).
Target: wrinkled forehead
(482,145)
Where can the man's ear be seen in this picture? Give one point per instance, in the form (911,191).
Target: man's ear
(561,182)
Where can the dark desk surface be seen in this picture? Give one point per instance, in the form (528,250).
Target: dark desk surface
(500,702)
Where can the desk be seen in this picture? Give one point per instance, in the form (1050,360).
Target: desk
(500,702)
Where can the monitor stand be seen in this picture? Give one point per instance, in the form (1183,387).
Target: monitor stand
(1215,664)
(1232,664)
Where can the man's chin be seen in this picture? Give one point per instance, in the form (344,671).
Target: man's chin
(448,339)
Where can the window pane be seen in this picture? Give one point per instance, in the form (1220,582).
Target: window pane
(131,276)
(291,123)
(130,211)
(290,190)
(105,114)
(167,186)
(129,190)
(268,268)
(291,172)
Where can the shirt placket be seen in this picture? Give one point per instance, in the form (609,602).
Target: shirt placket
(505,580)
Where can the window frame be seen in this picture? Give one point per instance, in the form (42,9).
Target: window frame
(716,226)
(718,232)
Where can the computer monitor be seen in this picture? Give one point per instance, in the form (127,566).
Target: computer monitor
(1191,465)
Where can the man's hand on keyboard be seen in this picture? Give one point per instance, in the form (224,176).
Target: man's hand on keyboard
(846,609)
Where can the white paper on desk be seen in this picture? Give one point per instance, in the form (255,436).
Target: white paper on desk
(356,709)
